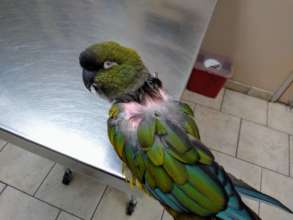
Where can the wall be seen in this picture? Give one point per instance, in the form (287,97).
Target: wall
(258,36)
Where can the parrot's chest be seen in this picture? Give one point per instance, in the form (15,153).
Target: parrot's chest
(128,116)
(133,113)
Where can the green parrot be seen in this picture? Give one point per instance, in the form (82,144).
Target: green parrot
(157,138)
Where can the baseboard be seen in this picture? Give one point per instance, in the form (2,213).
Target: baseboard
(249,90)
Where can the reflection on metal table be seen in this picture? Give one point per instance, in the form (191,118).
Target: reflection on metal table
(44,107)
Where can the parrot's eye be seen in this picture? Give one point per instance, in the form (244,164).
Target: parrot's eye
(108,64)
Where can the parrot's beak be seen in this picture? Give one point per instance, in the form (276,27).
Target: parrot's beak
(88,63)
(88,78)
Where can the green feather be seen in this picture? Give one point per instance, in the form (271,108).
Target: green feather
(160,129)
(150,180)
(156,153)
(175,169)
(146,132)
(139,165)
(114,111)
(129,154)
(191,127)
(207,186)
(176,139)
(119,142)
(200,198)
(185,108)
(111,133)
(189,203)
(163,181)
(204,157)
(189,157)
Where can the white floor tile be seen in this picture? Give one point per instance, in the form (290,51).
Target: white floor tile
(15,205)
(281,117)
(280,187)
(203,100)
(253,204)
(268,212)
(264,146)
(23,169)
(113,206)
(167,216)
(66,216)
(245,171)
(245,106)
(218,131)
(79,198)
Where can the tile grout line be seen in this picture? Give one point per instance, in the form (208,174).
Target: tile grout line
(252,163)
(237,116)
(289,156)
(58,214)
(280,131)
(80,218)
(40,200)
(99,202)
(222,102)
(3,188)
(262,125)
(245,119)
(208,107)
(238,137)
(163,213)
(51,168)
(2,148)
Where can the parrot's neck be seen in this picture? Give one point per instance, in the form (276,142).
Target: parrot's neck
(134,112)
(150,91)
(148,99)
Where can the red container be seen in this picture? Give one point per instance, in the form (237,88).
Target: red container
(209,74)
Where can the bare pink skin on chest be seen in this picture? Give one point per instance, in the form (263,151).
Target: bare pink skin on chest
(134,112)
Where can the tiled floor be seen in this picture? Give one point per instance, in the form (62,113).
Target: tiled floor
(251,138)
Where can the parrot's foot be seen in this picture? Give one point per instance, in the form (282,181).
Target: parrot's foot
(67,177)
(131,206)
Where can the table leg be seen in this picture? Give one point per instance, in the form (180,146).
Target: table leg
(67,177)
(131,205)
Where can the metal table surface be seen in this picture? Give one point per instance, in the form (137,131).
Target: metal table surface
(44,106)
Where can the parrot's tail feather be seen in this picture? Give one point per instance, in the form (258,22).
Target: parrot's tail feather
(244,189)
(238,214)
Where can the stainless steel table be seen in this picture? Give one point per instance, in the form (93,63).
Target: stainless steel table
(44,107)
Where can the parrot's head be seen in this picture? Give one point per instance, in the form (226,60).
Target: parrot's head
(112,70)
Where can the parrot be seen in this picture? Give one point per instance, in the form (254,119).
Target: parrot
(156,137)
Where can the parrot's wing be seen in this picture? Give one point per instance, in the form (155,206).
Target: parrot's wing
(175,172)
(171,163)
